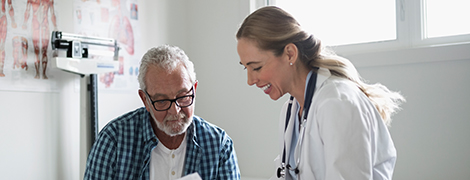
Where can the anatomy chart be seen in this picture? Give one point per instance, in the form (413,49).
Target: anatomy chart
(117,19)
(25,29)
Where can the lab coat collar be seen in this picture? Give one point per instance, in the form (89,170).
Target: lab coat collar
(323,75)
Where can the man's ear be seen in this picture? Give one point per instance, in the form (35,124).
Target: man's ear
(195,86)
(143,97)
(292,52)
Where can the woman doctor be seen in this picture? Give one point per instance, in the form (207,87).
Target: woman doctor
(334,126)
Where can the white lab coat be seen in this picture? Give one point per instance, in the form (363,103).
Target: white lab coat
(345,137)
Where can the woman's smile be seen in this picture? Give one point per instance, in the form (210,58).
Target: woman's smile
(267,88)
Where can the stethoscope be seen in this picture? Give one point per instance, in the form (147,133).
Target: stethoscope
(281,171)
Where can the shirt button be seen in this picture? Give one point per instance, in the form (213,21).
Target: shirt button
(154,140)
(172,156)
(173,173)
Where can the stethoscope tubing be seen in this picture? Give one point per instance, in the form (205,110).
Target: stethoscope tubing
(308,101)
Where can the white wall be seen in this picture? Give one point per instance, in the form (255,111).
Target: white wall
(431,132)
(40,134)
(38,130)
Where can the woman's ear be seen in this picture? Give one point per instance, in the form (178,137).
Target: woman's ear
(292,52)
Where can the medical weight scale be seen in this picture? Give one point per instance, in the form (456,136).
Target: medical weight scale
(85,56)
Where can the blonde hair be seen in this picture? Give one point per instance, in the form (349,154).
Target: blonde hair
(272,29)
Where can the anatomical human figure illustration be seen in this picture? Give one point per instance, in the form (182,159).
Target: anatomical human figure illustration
(40,31)
(20,52)
(121,29)
(6,6)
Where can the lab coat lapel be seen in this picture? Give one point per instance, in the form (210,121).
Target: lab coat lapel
(308,144)
(322,75)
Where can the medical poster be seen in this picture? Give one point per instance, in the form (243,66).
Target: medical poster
(25,29)
(117,19)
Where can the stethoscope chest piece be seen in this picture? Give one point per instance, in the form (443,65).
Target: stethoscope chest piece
(281,171)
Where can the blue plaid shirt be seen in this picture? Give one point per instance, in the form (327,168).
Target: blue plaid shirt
(122,150)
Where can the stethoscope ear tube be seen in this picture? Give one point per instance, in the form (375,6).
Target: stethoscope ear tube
(296,170)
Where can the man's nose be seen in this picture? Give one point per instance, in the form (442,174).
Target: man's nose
(174,109)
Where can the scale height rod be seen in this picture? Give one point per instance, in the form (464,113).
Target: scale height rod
(93,89)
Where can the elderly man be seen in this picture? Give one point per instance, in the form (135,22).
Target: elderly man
(164,140)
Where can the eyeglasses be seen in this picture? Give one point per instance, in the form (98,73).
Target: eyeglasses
(165,104)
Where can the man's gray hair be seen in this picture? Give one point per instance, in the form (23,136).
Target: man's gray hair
(166,57)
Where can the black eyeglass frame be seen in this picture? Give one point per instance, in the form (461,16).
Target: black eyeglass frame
(172,100)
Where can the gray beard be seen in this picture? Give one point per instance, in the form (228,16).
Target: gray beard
(173,129)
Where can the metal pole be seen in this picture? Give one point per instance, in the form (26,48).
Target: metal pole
(93,90)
